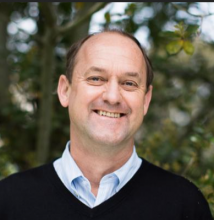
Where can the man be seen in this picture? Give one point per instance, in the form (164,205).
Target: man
(107,90)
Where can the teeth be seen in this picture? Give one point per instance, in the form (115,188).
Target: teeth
(109,114)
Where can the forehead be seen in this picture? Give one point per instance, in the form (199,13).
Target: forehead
(111,47)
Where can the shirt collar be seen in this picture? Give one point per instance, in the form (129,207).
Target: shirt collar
(70,167)
(127,169)
(72,171)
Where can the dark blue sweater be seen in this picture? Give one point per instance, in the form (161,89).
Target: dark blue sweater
(152,194)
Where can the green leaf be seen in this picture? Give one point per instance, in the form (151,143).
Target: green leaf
(79,5)
(192,29)
(130,10)
(169,34)
(174,47)
(188,47)
(180,26)
(108,17)
(212,140)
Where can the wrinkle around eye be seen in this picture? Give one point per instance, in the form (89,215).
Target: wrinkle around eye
(130,85)
(95,80)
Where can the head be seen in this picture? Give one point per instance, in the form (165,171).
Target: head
(74,49)
(107,88)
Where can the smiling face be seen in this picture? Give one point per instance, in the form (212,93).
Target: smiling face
(107,98)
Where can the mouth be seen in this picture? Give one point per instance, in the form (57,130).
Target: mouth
(109,114)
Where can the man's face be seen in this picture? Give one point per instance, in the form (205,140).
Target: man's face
(107,98)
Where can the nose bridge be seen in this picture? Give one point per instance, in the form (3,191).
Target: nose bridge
(112,92)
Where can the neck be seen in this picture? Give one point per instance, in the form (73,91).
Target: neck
(95,164)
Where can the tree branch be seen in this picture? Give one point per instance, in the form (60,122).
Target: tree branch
(188,166)
(69,26)
(49,13)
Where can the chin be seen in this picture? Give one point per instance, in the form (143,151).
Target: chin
(109,140)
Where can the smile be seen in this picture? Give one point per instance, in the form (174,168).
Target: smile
(109,114)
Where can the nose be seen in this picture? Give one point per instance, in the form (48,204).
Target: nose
(112,93)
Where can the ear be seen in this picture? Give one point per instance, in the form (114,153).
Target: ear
(147,99)
(63,90)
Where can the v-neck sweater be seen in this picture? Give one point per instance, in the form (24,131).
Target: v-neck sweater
(78,184)
(151,194)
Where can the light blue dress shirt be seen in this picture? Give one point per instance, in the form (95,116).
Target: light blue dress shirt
(74,180)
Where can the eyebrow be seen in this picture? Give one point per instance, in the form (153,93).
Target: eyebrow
(133,74)
(95,69)
(101,70)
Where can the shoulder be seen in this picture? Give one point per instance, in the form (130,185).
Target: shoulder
(23,189)
(28,175)
(22,182)
(174,189)
(167,180)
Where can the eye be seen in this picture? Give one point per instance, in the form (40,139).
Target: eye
(130,85)
(95,80)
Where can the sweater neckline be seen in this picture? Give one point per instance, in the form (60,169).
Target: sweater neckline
(103,207)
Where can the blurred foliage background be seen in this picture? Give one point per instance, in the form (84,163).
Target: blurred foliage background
(178,131)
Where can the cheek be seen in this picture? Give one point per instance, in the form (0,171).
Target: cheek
(91,93)
(84,96)
(135,102)
(137,112)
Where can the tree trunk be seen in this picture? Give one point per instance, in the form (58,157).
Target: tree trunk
(82,30)
(4,68)
(45,111)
